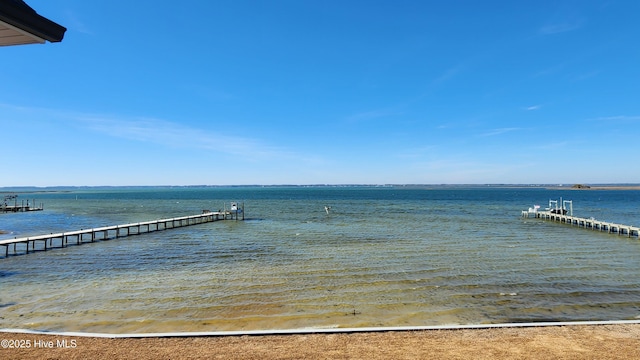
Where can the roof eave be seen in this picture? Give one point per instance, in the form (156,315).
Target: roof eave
(19,15)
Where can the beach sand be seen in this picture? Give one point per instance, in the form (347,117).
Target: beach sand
(550,342)
(596,187)
(614,188)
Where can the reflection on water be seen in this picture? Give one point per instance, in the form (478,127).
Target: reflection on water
(382,257)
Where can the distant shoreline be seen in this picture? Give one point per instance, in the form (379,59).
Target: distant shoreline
(69,189)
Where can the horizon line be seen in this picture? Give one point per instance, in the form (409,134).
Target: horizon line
(323,185)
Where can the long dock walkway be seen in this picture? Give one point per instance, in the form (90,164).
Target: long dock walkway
(60,240)
(609,227)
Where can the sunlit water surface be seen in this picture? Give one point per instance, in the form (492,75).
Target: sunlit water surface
(388,256)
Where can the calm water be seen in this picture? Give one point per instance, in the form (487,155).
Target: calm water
(382,257)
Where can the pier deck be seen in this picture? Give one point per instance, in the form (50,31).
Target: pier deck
(19,208)
(593,224)
(77,237)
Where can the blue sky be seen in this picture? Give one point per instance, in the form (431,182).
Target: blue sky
(324,92)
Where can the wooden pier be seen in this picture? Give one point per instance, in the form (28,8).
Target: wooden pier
(592,224)
(22,207)
(78,237)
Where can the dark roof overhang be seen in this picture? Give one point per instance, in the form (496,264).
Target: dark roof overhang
(20,24)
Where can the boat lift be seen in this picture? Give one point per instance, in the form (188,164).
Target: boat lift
(553,207)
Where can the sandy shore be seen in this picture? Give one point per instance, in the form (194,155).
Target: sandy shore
(596,187)
(614,188)
(552,342)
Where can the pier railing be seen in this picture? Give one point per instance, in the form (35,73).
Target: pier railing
(59,240)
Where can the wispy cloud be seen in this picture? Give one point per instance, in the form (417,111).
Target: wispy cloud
(566,19)
(178,136)
(585,76)
(448,74)
(73,22)
(418,152)
(619,118)
(552,70)
(370,115)
(167,133)
(533,108)
(553,29)
(460,170)
(499,131)
(553,146)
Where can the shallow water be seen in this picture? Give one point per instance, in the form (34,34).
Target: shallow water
(390,256)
